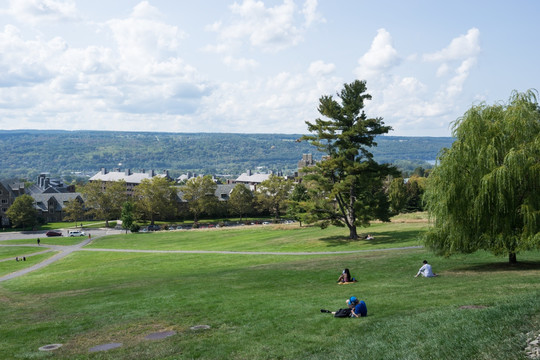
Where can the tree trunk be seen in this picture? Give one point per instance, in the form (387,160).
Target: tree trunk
(512,259)
(352,232)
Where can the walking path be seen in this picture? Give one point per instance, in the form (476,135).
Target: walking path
(64,251)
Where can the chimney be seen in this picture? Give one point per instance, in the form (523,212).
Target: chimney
(166,173)
(128,172)
(249,172)
(152,173)
(103,171)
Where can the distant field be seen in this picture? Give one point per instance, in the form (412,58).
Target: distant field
(268,306)
(280,238)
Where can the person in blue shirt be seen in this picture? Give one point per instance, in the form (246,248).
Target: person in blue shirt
(355,308)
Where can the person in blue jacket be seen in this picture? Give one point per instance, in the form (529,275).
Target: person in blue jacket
(355,308)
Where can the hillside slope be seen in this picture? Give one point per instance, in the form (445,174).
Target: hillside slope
(25,153)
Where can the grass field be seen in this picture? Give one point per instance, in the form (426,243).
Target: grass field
(268,306)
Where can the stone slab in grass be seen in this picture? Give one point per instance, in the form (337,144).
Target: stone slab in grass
(200,327)
(105,347)
(50,347)
(159,335)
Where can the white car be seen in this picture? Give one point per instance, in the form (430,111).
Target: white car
(76,233)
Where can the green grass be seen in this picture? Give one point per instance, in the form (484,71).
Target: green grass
(8,267)
(267,306)
(55,240)
(278,238)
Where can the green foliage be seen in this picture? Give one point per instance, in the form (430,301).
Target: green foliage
(71,154)
(127,216)
(156,199)
(241,201)
(22,212)
(200,193)
(105,199)
(485,194)
(348,182)
(272,194)
(397,195)
(74,210)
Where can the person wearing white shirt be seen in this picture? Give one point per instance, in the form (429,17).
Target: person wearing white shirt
(425,270)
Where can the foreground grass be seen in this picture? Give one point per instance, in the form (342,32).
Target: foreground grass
(267,306)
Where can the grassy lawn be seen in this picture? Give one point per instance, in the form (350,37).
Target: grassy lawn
(7,267)
(12,251)
(281,238)
(268,306)
(56,240)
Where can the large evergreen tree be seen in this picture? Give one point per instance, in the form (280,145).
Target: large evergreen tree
(348,177)
(485,193)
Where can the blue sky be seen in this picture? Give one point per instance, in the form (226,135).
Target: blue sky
(251,66)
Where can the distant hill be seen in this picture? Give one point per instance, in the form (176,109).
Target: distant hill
(26,153)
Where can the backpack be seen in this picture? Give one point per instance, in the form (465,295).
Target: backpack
(342,313)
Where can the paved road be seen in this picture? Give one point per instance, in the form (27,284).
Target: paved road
(64,251)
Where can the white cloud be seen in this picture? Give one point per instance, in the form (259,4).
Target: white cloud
(464,46)
(319,68)
(36,11)
(311,14)
(240,63)
(380,58)
(269,29)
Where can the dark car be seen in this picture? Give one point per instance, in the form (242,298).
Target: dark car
(53,233)
(154,227)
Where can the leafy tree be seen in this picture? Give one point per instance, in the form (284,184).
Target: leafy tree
(415,189)
(272,195)
(22,212)
(105,199)
(74,210)
(156,199)
(297,209)
(200,194)
(241,200)
(397,195)
(348,177)
(127,215)
(485,193)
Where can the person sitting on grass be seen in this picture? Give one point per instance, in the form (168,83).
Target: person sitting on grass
(425,270)
(355,308)
(345,277)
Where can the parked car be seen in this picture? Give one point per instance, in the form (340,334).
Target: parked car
(75,233)
(53,233)
(154,227)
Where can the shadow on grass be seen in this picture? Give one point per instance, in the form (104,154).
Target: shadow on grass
(501,266)
(381,238)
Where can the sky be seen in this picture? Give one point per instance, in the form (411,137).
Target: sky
(249,66)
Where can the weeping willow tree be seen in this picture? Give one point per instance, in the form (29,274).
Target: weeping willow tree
(485,192)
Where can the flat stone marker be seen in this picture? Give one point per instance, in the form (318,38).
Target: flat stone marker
(50,347)
(200,327)
(159,335)
(105,347)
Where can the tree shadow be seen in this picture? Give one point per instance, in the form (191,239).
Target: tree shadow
(500,266)
(381,238)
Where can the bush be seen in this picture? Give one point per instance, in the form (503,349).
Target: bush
(134,228)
